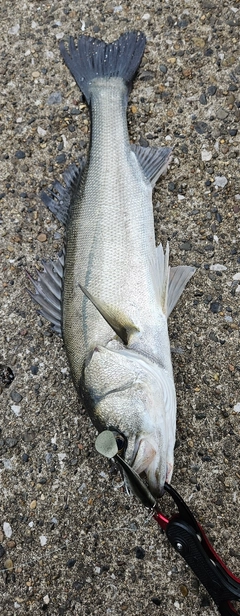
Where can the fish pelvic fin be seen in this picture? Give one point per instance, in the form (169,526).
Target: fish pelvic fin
(58,198)
(153,161)
(48,292)
(93,58)
(121,324)
(169,282)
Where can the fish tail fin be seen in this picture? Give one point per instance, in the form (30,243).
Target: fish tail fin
(93,58)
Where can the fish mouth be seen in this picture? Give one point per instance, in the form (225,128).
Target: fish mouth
(147,460)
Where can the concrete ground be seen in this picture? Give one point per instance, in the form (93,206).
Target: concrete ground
(71,540)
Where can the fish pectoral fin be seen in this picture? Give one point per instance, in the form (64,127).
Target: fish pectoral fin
(179,277)
(58,198)
(122,325)
(153,161)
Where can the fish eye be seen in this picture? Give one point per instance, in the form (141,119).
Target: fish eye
(121,440)
(121,443)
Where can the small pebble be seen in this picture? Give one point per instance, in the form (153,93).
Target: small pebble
(6,376)
(163,69)
(140,553)
(33,505)
(43,540)
(202,99)
(16,397)
(25,457)
(71,562)
(233,132)
(185,246)
(201,127)
(2,551)
(61,158)
(54,98)
(221,113)
(34,369)
(42,237)
(183,590)
(220,181)
(16,409)
(8,564)
(156,601)
(20,154)
(217,267)
(212,90)
(215,307)
(206,155)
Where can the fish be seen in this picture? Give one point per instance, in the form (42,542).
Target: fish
(111,291)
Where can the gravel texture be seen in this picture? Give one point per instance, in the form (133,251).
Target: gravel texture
(71,541)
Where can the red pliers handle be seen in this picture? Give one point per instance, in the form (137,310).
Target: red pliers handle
(189,540)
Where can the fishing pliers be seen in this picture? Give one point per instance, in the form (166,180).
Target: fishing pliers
(189,540)
(185,534)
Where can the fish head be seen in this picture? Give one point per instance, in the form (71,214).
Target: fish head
(136,397)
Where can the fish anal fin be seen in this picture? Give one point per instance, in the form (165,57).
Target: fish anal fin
(179,277)
(153,161)
(48,292)
(122,325)
(58,198)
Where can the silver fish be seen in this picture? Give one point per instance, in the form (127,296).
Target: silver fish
(118,290)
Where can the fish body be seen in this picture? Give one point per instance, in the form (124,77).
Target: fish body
(117,290)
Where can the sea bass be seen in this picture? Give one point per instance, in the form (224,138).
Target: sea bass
(111,292)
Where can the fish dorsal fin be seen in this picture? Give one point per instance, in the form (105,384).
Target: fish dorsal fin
(48,292)
(179,277)
(154,161)
(58,198)
(122,325)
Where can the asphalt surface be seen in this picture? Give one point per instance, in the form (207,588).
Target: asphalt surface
(71,540)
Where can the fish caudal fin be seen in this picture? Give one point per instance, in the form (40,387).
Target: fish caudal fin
(169,282)
(48,292)
(93,58)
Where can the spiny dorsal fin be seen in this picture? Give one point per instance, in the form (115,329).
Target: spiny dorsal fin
(154,161)
(122,325)
(58,198)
